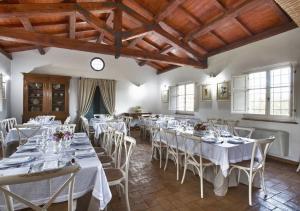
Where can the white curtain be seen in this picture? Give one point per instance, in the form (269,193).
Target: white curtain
(86,92)
(108,92)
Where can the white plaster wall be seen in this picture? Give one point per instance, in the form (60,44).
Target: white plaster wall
(76,64)
(5,70)
(281,48)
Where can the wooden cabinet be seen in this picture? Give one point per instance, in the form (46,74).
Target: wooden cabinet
(45,95)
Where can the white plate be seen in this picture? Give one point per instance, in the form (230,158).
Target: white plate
(17,160)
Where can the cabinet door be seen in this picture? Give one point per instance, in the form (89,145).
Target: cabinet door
(59,99)
(35,97)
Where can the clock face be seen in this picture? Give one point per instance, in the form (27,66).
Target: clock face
(97,64)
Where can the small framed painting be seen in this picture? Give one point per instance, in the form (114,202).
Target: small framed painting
(206,93)
(223,91)
(165,96)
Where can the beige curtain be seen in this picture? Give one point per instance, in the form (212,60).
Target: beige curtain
(86,92)
(108,92)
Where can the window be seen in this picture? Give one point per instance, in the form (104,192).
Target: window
(266,94)
(97,105)
(182,97)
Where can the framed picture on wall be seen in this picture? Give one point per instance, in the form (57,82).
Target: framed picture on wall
(165,96)
(206,93)
(223,91)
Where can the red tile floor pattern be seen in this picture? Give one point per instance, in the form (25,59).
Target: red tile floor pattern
(152,188)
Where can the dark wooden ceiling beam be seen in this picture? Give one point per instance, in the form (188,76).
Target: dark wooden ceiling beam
(27,25)
(118,20)
(220,39)
(166,35)
(9,34)
(137,32)
(227,16)
(5,53)
(12,10)
(219,5)
(255,38)
(164,50)
(108,22)
(94,21)
(292,8)
(72,25)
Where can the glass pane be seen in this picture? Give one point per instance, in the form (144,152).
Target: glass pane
(189,103)
(280,101)
(257,80)
(180,103)
(257,101)
(280,77)
(35,97)
(181,90)
(190,89)
(58,97)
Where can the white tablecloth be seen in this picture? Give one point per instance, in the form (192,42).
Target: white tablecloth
(90,177)
(101,127)
(221,155)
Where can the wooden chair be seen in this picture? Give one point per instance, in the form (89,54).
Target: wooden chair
(69,127)
(298,169)
(157,143)
(195,159)
(86,129)
(119,175)
(170,137)
(251,167)
(127,120)
(114,141)
(243,132)
(68,120)
(6,181)
(8,124)
(3,146)
(26,131)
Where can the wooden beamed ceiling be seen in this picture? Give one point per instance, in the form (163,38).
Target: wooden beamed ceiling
(164,34)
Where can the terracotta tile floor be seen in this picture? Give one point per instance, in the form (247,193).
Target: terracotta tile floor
(153,189)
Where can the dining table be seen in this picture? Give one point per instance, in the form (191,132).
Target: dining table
(221,151)
(102,126)
(31,156)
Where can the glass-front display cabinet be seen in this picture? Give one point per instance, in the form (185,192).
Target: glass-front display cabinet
(45,95)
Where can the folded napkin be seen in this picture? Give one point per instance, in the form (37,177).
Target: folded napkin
(48,165)
(84,154)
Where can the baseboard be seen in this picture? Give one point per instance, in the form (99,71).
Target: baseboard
(282,160)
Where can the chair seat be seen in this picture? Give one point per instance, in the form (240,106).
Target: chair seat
(105,159)
(99,150)
(246,164)
(113,174)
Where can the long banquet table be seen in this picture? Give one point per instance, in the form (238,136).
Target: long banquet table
(222,154)
(90,177)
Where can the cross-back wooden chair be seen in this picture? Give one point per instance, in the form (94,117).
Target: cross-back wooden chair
(170,136)
(3,145)
(27,131)
(157,143)
(194,159)
(114,141)
(68,120)
(255,164)
(119,175)
(6,181)
(8,124)
(127,120)
(243,131)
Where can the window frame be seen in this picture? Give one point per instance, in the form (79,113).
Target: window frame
(267,115)
(172,96)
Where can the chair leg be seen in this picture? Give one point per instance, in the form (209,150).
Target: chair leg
(167,158)
(262,179)
(298,169)
(177,166)
(239,176)
(250,190)
(184,170)
(160,158)
(201,182)
(126,195)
